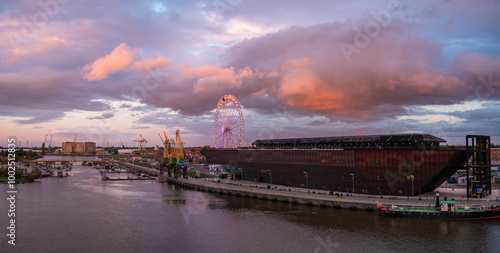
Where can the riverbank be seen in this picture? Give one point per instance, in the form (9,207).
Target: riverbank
(323,198)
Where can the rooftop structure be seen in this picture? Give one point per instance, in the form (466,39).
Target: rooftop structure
(388,140)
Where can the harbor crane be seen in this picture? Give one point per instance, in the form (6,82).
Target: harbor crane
(173,155)
(179,147)
(141,142)
(123,146)
(73,145)
(43,145)
(168,146)
(50,143)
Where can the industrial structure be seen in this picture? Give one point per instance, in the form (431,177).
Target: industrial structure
(173,157)
(478,166)
(395,164)
(79,148)
(140,142)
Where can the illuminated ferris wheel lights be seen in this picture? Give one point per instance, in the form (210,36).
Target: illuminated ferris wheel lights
(228,118)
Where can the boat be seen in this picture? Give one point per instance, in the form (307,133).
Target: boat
(443,210)
(390,164)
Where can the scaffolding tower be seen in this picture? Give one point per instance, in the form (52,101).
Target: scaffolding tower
(478,166)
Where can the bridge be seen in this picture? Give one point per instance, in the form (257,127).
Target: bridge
(67,159)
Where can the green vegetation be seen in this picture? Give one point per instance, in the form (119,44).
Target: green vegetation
(202,150)
(20,176)
(21,154)
(192,174)
(112,150)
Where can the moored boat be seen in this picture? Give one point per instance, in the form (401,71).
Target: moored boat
(443,210)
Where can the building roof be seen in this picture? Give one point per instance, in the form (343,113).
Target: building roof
(363,140)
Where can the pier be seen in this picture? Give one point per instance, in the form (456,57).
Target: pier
(323,198)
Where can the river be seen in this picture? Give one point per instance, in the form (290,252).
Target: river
(82,213)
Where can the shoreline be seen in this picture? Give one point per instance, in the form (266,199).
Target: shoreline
(323,198)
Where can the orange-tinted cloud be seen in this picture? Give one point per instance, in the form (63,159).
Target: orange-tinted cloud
(150,63)
(210,76)
(312,74)
(121,58)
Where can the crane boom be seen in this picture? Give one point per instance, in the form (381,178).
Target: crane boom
(50,144)
(73,145)
(43,145)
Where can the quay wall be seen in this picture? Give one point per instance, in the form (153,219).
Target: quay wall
(272,195)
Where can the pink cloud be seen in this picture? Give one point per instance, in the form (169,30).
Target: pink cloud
(210,77)
(121,58)
(151,63)
(395,68)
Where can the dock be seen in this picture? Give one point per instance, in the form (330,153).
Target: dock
(126,178)
(313,197)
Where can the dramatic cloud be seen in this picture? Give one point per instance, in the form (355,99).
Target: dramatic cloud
(122,57)
(394,68)
(214,76)
(382,66)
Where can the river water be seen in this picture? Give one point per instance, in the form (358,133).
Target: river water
(82,213)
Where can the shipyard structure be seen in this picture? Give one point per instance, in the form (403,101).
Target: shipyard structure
(397,164)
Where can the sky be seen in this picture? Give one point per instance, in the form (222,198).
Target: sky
(113,70)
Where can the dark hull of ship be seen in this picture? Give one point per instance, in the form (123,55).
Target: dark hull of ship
(376,172)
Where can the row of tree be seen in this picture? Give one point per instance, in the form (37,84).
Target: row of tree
(21,154)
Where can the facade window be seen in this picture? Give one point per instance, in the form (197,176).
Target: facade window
(409,162)
(339,161)
(376,161)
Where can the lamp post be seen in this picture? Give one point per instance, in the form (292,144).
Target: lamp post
(412,177)
(270,176)
(352,175)
(307,180)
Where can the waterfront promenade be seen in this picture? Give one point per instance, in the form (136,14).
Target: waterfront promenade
(329,199)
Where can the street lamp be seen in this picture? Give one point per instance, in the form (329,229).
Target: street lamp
(270,176)
(352,175)
(307,180)
(412,177)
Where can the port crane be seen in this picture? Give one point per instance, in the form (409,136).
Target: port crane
(50,143)
(173,154)
(123,146)
(179,148)
(140,141)
(43,145)
(73,145)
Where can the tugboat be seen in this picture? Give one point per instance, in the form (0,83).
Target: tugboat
(443,210)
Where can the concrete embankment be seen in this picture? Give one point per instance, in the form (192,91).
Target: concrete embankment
(315,197)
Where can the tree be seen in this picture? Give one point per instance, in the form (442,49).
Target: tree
(202,150)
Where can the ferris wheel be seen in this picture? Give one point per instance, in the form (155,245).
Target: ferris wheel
(228,123)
